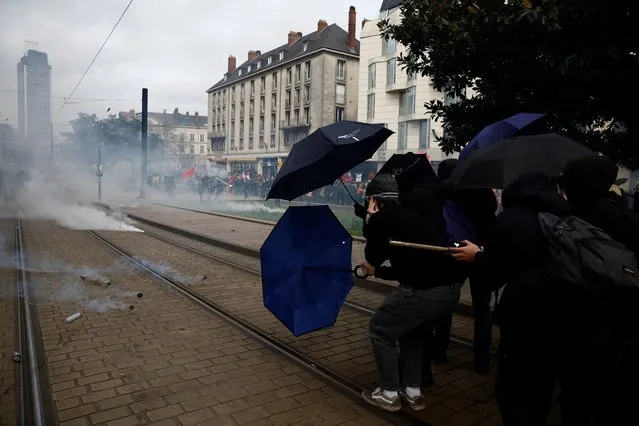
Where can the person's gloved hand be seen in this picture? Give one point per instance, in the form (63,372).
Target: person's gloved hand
(360,210)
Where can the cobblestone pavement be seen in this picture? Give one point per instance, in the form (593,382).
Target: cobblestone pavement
(247,233)
(8,390)
(462,325)
(461,397)
(166,362)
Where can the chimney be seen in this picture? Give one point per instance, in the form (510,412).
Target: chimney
(352,17)
(176,115)
(364,21)
(197,116)
(321,25)
(232,64)
(252,54)
(293,36)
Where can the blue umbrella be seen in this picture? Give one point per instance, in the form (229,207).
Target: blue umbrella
(500,130)
(306,268)
(325,155)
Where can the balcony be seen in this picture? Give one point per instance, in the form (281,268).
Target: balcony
(293,125)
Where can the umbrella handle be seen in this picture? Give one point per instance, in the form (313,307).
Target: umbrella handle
(360,272)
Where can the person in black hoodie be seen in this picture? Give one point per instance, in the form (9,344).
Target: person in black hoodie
(427,288)
(599,352)
(515,257)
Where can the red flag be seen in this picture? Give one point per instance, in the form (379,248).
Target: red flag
(187,174)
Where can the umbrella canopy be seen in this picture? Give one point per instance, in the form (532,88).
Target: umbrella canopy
(503,162)
(500,130)
(325,155)
(306,268)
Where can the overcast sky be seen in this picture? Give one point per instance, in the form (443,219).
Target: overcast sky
(175,48)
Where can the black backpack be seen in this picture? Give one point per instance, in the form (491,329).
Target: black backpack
(585,256)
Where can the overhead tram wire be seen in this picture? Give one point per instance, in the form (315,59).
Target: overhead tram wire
(96,56)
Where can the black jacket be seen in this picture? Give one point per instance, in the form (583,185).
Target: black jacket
(415,268)
(516,257)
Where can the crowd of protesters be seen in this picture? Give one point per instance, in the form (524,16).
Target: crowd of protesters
(551,332)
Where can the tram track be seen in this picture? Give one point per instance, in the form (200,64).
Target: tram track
(344,384)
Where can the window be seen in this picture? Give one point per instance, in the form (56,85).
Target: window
(261,125)
(181,149)
(372,75)
(239,72)
(340,94)
(287,99)
(407,102)
(251,126)
(252,88)
(242,91)
(411,76)
(402,135)
(281,55)
(391,67)
(262,142)
(305,46)
(192,149)
(297,97)
(287,118)
(192,137)
(274,80)
(258,65)
(232,111)
(341,69)
(269,61)
(250,144)
(289,76)
(273,123)
(241,109)
(389,47)
(249,69)
(262,104)
(201,138)
(251,108)
(273,101)
(201,149)
(296,117)
(287,139)
(298,73)
(233,94)
(241,128)
(307,116)
(272,144)
(241,142)
(182,137)
(339,113)
(307,93)
(370,107)
(307,70)
(424,134)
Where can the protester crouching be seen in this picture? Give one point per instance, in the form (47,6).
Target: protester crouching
(599,351)
(426,288)
(515,258)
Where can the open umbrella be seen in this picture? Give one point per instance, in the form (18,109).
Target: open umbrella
(306,268)
(500,130)
(325,155)
(503,162)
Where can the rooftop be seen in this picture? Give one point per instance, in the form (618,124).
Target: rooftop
(332,37)
(390,4)
(176,119)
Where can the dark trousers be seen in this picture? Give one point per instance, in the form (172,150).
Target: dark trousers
(405,316)
(524,387)
(482,332)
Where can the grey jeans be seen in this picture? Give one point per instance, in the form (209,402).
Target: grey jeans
(404,316)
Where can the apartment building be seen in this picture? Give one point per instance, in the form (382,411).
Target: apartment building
(259,109)
(185,136)
(390,96)
(34,97)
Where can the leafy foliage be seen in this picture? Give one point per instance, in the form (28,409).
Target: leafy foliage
(576,60)
(119,136)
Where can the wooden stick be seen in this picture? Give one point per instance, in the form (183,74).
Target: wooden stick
(420,246)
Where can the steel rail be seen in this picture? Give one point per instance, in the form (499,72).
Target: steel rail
(345,385)
(27,343)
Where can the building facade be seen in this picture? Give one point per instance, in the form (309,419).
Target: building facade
(259,109)
(34,98)
(185,136)
(390,96)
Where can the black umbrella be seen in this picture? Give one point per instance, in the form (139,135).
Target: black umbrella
(325,155)
(503,162)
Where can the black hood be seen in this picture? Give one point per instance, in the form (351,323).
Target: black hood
(445,169)
(383,187)
(587,179)
(536,192)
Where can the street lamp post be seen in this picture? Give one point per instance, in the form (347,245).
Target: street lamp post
(98,172)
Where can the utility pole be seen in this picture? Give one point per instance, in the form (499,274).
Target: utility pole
(145,122)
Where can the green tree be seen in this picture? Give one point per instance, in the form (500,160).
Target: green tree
(119,136)
(574,60)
